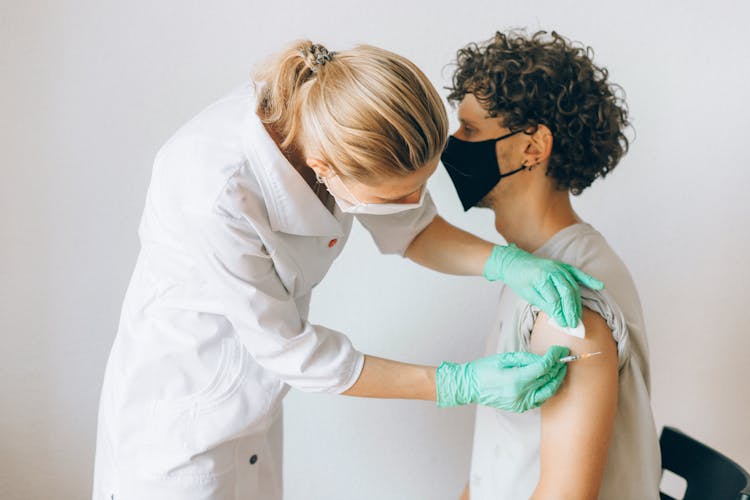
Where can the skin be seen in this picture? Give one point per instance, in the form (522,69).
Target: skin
(528,211)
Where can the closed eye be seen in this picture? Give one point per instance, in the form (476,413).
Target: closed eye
(400,198)
(466,130)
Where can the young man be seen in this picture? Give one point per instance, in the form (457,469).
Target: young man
(540,121)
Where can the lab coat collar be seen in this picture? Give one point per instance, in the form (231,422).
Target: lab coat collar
(292,206)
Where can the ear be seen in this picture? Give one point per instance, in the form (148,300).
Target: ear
(320,167)
(539,147)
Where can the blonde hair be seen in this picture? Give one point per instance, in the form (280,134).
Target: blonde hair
(367,112)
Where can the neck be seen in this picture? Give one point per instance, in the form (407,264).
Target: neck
(534,216)
(293,154)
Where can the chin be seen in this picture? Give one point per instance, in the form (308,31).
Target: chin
(485,202)
(498,227)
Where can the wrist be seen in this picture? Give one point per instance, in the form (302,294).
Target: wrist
(482,256)
(453,385)
(496,263)
(431,376)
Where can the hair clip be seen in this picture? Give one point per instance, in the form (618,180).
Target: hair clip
(320,55)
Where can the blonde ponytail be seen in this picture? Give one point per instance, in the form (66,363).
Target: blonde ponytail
(367,112)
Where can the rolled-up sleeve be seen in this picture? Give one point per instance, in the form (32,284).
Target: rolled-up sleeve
(599,301)
(240,273)
(394,233)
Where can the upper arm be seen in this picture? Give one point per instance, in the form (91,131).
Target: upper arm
(577,421)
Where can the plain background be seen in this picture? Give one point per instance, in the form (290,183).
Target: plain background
(89,90)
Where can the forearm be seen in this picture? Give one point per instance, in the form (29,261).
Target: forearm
(448,249)
(384,378)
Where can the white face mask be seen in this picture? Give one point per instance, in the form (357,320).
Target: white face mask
(349,203)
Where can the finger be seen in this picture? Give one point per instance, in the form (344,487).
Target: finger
(551,359)
(570,299)
(571,281)
(532,397)
(517,359)
(554,353)
(526,375)
(585,279)
(543,394)
(546,365)
(550,303)
(550,388)
(547,291)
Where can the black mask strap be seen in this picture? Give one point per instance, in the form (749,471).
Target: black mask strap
(508,174)
(509,134)
(522,167)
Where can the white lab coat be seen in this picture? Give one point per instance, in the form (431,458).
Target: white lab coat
(214,328)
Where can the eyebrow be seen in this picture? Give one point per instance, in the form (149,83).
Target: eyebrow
(467,121)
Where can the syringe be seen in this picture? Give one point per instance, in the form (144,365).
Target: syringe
(568,359)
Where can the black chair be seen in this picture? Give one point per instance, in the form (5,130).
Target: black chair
(709,474)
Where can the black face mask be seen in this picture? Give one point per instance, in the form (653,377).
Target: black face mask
(473,167)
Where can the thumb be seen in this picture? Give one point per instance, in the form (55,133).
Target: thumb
(549,363)
(554,353)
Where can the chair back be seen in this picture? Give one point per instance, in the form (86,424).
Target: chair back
(709,474)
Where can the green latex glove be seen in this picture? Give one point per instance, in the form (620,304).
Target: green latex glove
(512,381)
(550,285)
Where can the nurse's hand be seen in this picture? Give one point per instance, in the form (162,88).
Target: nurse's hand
(512,381)
(547,284)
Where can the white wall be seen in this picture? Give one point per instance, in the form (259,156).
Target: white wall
(90,89)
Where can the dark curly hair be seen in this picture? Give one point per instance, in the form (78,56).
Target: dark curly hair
(548,80)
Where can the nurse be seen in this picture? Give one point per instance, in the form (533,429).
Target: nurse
(249,204)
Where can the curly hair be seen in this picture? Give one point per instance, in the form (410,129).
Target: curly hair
(549,80)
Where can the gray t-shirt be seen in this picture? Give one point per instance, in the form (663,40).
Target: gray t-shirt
(505,457)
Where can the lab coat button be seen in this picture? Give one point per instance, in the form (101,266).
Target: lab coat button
(253,459)
(332,242)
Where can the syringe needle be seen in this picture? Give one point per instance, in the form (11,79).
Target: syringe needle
(568,359)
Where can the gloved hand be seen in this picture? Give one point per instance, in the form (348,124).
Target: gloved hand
(547,284)
(513,381)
